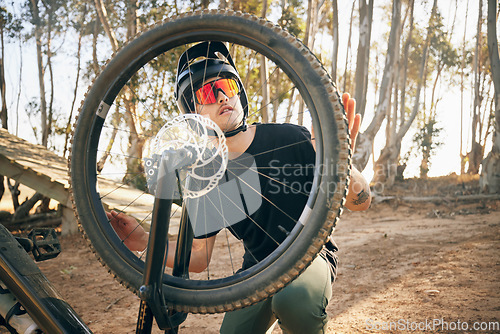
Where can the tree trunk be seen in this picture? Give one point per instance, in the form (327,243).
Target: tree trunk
(20,82)
(2,186)
(14,193)
(277,93)
(3,112)
(95,36)
(131,18)
(136,144)
(335,38)
(136,140)
(416,107)
(41,71)
(102,161)
(290,105)
(24,209)
(347,83)
(103,18)
(462,88)
(264,82)
(363,56)
(309,42)
(475,155)
(489,180)
(384,169)
(264,79)
(365,140)
(50,111)
(75,91)
(402,107)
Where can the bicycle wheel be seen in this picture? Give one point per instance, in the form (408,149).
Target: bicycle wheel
(133,98)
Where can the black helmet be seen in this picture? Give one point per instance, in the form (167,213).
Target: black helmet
(200,62)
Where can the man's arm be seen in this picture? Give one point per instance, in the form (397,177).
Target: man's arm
(201,253)
(136,239)
(358,195)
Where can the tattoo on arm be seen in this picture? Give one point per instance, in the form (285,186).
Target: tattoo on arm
(361,198)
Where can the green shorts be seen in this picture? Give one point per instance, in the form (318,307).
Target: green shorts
(299,308)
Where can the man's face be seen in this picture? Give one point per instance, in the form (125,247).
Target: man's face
(226,112)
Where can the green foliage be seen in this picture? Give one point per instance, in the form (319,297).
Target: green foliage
(427,141)
(292,17)
(441,51)
(248,6)
(136,177)
(9,25)
(153,11)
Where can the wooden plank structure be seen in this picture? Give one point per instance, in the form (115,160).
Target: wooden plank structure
(44,171)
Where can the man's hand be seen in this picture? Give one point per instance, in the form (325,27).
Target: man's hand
(129,231)
(358,196)
(353,119)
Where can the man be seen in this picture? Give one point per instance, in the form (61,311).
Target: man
(212,88)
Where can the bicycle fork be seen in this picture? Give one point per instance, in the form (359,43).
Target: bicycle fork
(153,303)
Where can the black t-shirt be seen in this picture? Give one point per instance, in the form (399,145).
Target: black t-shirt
(283,157)
(285,161)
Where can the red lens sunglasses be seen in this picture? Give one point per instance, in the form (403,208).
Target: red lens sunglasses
(207,94)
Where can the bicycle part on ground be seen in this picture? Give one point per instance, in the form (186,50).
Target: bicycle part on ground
(46,245)
(42,243)
(32,289)
(27,244)
(14,317)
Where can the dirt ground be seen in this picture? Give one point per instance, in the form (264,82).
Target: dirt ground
(405,266)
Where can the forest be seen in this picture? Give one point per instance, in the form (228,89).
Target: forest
(426,78)
(424,74)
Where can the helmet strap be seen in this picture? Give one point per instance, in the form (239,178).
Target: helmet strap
(239,129)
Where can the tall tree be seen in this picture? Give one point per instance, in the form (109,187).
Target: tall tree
(8,25)
(406,54)
(264,77)
(4,18)
(38,26)
(365,139)
(384,105)
(335,38)
(103,18)
(347,81)
(476,153)
(50,7)
(462,89)
(442,57)
(363,56)
(385,167)
(136,138)
(490,175)
(47,17)
(80,25)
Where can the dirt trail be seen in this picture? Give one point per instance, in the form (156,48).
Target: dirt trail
(403,268)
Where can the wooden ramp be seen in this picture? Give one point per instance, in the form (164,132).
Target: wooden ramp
(44,171)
